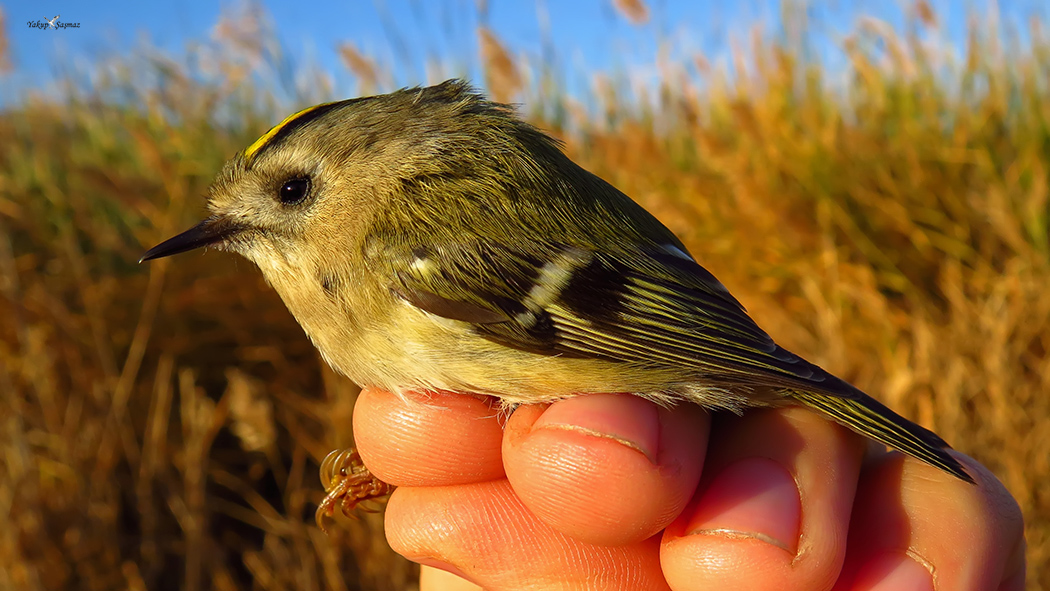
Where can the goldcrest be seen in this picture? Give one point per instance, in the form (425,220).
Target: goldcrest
(429,239)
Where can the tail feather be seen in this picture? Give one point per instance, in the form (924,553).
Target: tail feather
(871,418)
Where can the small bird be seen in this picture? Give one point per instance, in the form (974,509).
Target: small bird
(429,239)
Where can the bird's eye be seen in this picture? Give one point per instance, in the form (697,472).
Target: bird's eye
(294,191)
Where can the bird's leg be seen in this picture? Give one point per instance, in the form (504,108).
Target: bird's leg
(347,483)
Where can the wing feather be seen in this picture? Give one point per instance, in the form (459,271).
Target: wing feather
(643,306)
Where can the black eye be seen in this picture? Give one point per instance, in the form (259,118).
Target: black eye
(294,191)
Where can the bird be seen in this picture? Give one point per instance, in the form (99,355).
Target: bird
(430,239)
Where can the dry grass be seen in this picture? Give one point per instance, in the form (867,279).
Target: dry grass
(161,426)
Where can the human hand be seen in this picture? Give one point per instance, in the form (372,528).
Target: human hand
(601,492)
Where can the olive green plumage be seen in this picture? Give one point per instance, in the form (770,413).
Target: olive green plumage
(429,239)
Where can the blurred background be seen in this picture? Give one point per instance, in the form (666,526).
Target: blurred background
(870,180)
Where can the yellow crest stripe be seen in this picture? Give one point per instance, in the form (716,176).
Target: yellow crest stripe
(253,150)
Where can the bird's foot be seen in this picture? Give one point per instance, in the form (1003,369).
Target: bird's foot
(347,483)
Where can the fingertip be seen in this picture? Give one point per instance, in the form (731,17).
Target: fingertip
(428,439)
(741,530)
(773,508)
(606,469)
(906,506)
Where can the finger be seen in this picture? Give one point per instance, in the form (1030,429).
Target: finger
(915,527)
(431,439)
(483,533)
(605,468)
(773,508)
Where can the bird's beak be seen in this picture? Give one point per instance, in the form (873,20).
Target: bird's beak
(212,230)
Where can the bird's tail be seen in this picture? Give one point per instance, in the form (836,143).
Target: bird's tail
(871,418)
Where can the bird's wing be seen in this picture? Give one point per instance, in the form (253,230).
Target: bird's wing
(649,306)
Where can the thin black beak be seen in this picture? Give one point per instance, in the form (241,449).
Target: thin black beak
(211,231)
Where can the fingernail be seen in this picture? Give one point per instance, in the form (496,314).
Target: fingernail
(894,571)
(625,418)
(755,498)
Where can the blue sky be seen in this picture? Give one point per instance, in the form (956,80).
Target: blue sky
(583,35)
